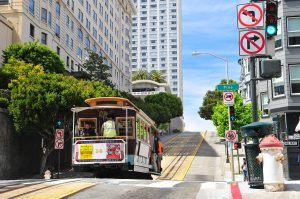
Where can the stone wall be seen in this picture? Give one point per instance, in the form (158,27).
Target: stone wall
(19,154)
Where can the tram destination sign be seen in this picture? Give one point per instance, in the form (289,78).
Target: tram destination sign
(291,143)
(227,87)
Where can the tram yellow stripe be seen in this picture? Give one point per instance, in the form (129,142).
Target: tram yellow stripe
(189,160)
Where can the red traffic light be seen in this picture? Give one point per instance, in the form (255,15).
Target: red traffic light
(237,145)
(271,7)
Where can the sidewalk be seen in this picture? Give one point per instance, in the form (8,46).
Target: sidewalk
(292,188)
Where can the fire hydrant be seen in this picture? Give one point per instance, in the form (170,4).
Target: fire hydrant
(47,175)
(272,157)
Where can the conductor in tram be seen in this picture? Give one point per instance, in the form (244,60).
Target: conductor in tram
(88,131)
(108,128)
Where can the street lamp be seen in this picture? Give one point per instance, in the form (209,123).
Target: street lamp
(196,53)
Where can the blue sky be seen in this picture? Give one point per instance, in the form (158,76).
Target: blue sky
(207,26)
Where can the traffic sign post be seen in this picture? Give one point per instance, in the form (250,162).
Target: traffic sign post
(250,15)
(227,87)
(59,144)
(228,98)
(252,42)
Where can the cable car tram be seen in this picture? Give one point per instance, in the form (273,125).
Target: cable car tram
(112,133)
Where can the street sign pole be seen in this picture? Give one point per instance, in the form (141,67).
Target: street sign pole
(58,167)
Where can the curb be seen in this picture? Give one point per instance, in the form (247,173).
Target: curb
(235,191)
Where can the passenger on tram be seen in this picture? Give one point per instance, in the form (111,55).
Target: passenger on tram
(108,128)
(88,131)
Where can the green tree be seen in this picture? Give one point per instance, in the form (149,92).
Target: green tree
(35,53)
(210,100)
(159,114)
(157,76)
(140,75)
(96,69)
(242,115)
(167,100)
(39,99)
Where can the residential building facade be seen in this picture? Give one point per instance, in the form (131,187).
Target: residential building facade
(70,27)
(156,40)
(5,35)
(279,98)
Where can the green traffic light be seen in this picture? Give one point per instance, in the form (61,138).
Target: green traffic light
(271,30)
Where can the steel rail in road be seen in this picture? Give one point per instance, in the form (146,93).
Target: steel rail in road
(179,154)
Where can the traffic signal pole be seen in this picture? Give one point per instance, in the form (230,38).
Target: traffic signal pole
(253,89)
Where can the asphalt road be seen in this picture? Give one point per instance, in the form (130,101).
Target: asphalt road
(191,163)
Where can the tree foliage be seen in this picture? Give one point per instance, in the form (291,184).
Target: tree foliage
(242,115)
(38,99)
(167,100)
(210,100)
(157,76)
(154,75)
(96,69)
(35,53)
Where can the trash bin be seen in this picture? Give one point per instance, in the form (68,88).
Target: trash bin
(251,134)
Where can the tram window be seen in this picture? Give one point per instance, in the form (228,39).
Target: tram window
(91,121)
(121,126)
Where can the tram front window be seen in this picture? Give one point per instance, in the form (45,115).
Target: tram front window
(87,127)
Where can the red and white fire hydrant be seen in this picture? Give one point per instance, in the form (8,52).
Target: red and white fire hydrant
(272,157)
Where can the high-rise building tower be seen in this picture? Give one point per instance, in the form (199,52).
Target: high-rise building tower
(156,40)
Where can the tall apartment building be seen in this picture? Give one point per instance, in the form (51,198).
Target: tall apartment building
(156,40)
(69,27)
(279,98)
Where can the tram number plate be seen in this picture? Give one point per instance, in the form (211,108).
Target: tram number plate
(86,151)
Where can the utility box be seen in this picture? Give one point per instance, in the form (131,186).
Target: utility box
(270,68)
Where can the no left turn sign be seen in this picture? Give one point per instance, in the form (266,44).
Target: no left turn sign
(250,15)
(252,42)
(228,98)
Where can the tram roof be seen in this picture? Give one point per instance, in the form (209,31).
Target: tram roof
(111,102)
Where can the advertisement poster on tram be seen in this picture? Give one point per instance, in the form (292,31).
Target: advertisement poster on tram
(101,151)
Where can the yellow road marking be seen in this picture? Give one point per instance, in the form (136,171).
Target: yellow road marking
(48,190)
(177,166)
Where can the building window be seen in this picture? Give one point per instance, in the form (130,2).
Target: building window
(50,19)
(293,29)
(31,6)
(57,8)
(87,42)
(68,60)
(44,38)
(264,104)
(278,39)
(58,50)
(31,33)
(72,65)
(80,36)
(44,15)
(71,43)
(79,53)
(67,39)
(278,86)
(57,30)
(295,79)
